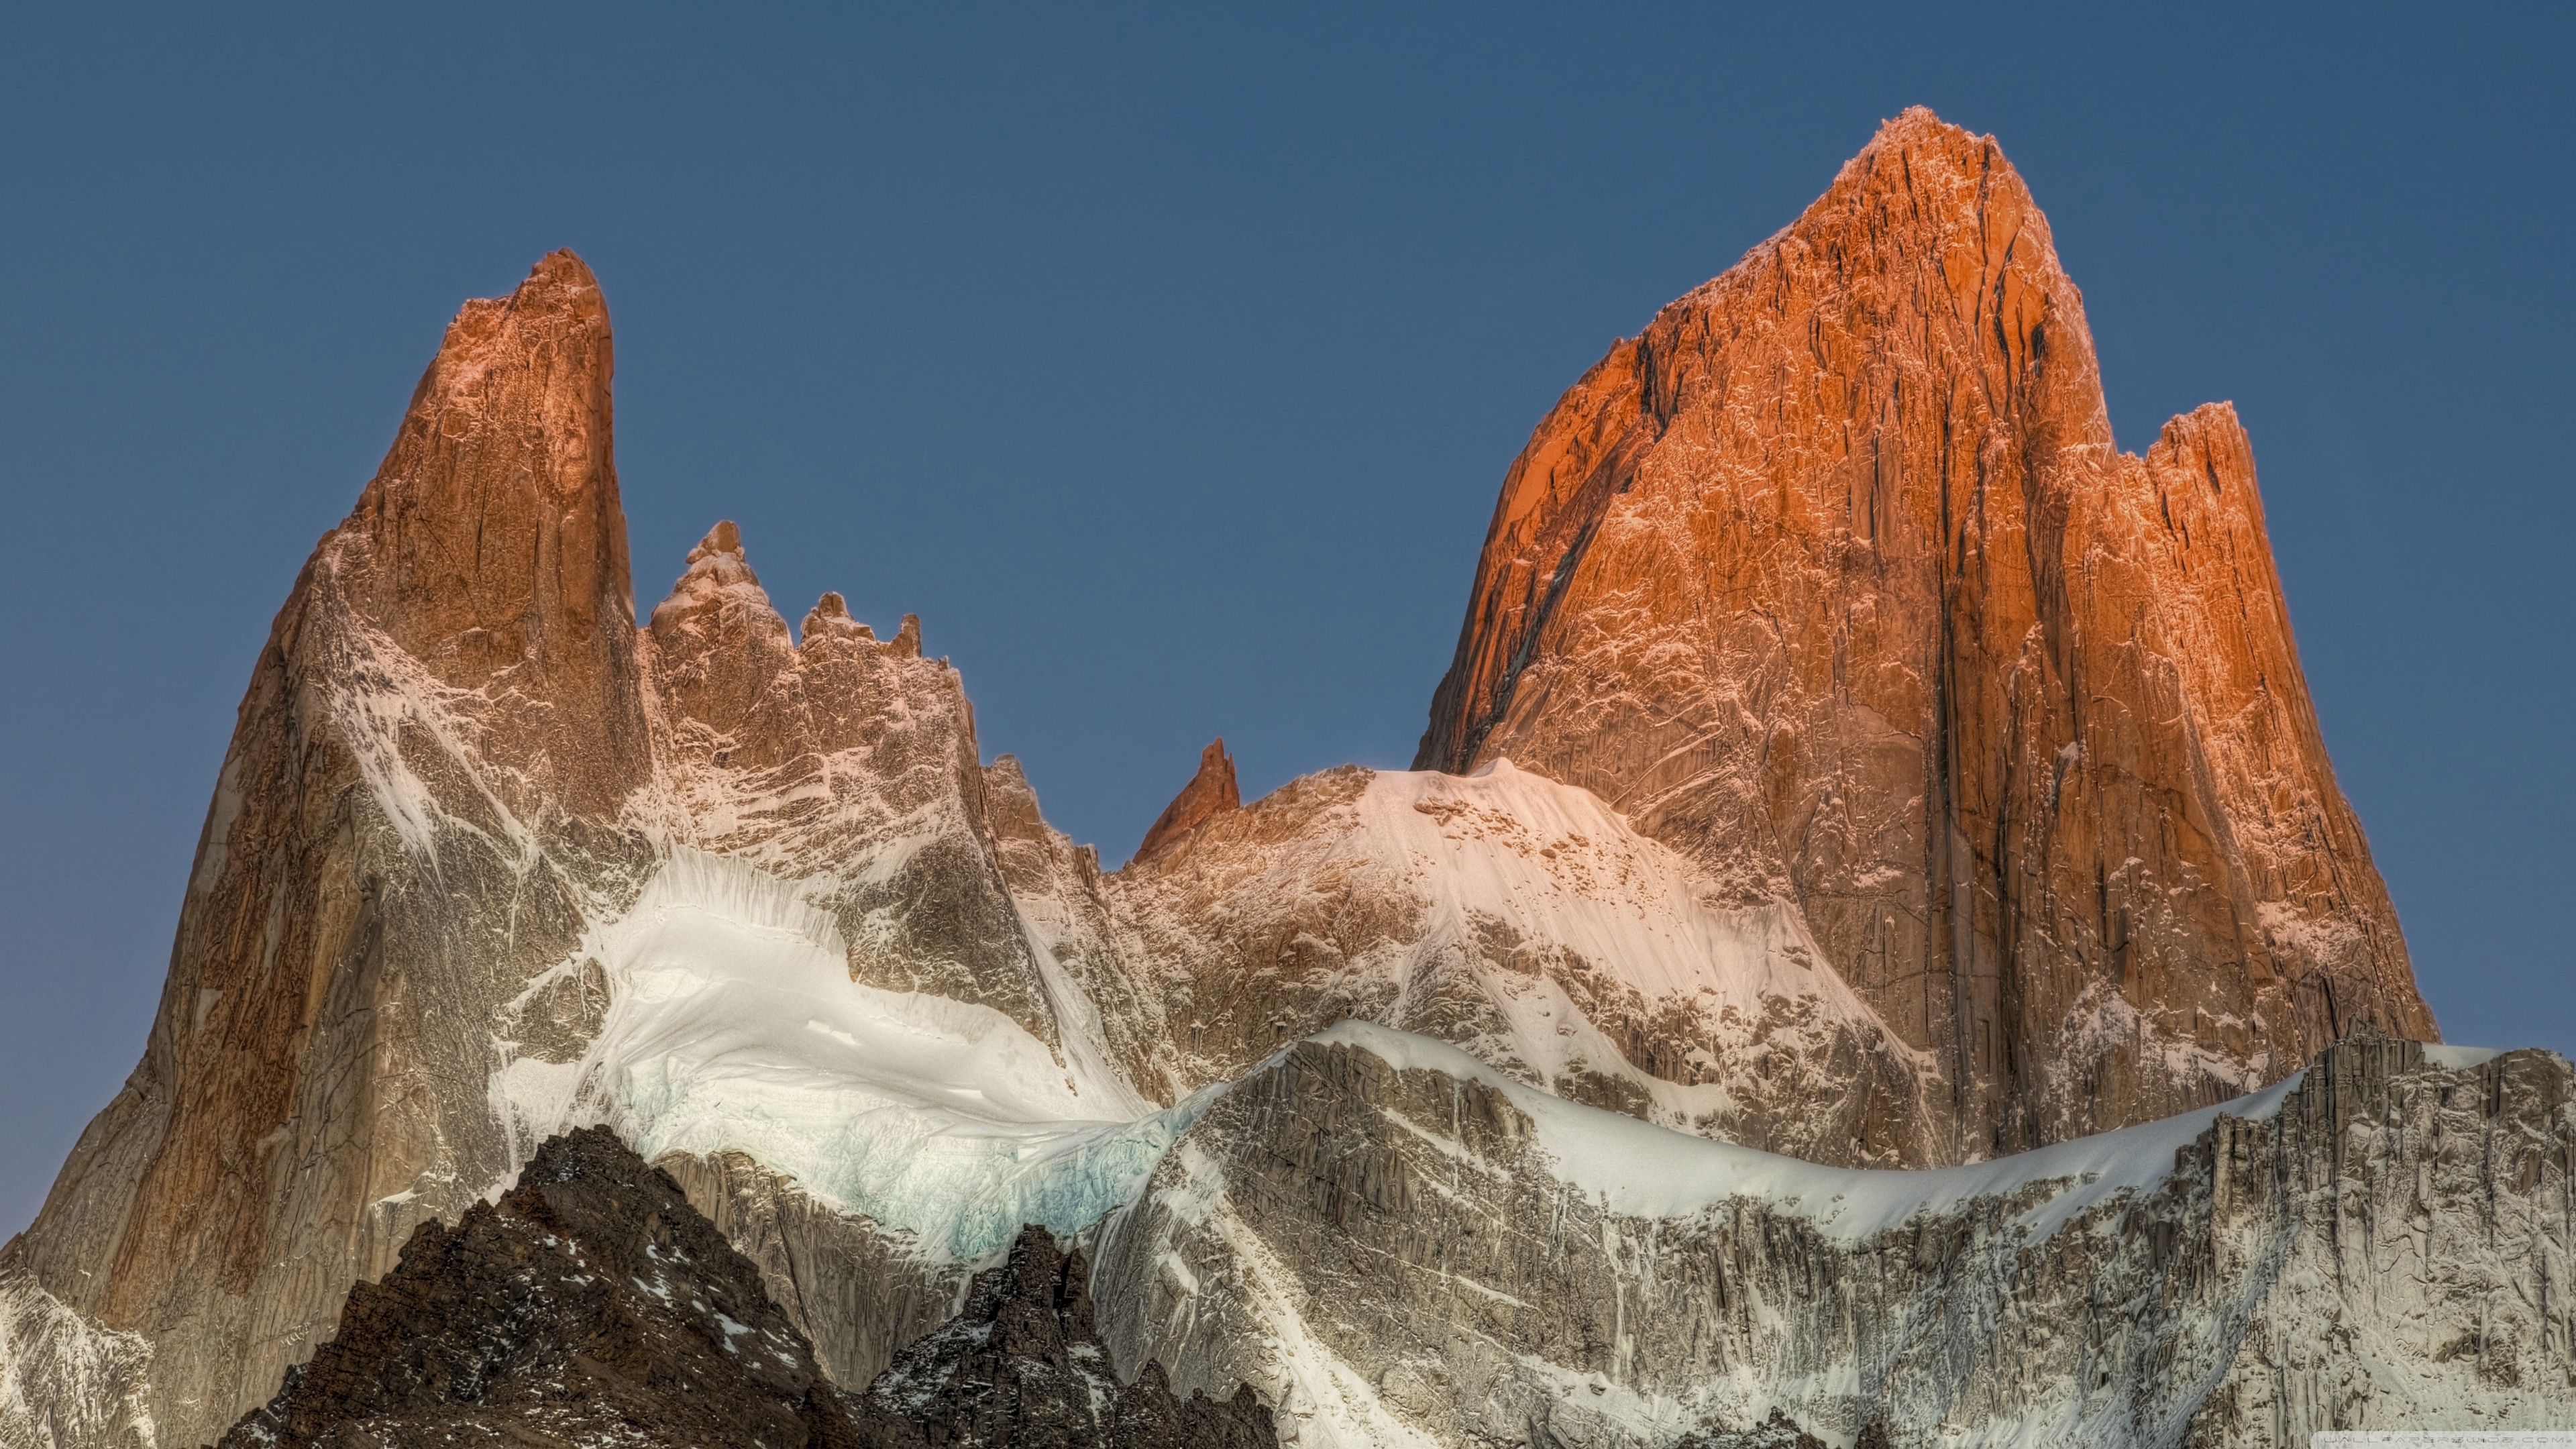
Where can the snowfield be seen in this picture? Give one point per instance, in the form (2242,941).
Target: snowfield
(733,1025)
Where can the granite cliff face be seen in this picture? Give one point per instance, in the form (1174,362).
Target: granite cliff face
(1399,1245)
(1849,757)
(1833,580)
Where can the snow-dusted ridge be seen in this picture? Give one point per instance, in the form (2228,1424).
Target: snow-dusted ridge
(1528,922)
(1378,1227)
(1641,1170)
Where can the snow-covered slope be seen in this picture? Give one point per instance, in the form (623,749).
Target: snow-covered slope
(1526,922)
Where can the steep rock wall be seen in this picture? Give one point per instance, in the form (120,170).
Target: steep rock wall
(1398,1246)
(1832,579)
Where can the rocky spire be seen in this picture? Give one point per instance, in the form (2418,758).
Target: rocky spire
(1210,792)
(1832,579)
(490,544)
(718,640)
(440,733)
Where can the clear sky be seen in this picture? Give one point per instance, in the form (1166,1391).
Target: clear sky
(1166,362)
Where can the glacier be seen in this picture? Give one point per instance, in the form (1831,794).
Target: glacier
(733,1025)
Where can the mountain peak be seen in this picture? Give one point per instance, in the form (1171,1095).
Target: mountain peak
(723,538)
(1916,135)
(1832,580)
(491,544)
(1918,125)
(497,503)
(830,618)
(1210,792)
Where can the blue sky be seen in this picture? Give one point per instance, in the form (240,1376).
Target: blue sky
(1166,362)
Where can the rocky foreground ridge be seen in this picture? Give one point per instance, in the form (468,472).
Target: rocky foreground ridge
(1950,790)
(593,1306)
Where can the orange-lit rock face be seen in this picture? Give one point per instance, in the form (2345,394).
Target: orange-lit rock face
(491,546)
(1210,792)
(420,798)
(1833,579)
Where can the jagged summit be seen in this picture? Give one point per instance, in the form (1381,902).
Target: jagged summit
(496,508)
(1832,580)
(831,615)
(491,546)
(1211,791)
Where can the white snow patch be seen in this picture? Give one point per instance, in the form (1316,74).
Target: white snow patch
(1563,917)
(733,1024)
(1642,1170)
(64,1378)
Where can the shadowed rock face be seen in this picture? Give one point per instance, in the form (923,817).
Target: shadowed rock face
(1833,579)
(2385,1245)
(1022,1368)
(1210,792)
(591,1305)
(594,1305)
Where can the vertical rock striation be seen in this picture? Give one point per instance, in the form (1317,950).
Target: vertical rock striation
(1833,579)
(1396,1245)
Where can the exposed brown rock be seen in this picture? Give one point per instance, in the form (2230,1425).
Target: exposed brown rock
(495,548)
(1210,792)
(1833,579)
(839,756)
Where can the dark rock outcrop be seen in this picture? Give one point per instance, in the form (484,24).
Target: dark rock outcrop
(1023,1367)
(1776,1432)
(592,1305)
